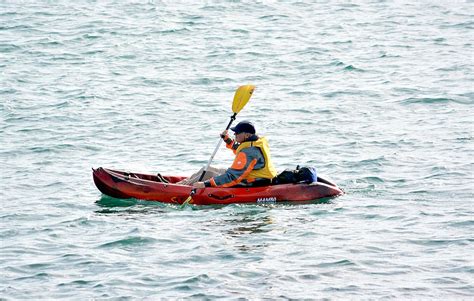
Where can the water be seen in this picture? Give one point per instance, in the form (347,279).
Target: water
(378,96)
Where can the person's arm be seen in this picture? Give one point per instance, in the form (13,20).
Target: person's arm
(241,167)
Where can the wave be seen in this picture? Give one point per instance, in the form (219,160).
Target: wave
(434,100)
(131,241)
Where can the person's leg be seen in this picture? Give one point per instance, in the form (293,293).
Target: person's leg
(211,172)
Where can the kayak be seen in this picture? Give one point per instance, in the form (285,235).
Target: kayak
(124,185)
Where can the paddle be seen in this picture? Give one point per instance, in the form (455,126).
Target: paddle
(241,98)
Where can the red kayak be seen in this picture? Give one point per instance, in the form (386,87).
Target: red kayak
(124,185)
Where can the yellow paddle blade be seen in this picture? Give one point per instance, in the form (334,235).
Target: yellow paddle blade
(241,97)
(188,201)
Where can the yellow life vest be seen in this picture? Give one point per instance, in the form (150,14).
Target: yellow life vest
(268,171)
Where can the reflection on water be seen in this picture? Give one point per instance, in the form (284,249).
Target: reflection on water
(246,219)
(246,227)
(110,205)
(249,224)
(110,202)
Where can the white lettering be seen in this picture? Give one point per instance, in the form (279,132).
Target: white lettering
(267,200)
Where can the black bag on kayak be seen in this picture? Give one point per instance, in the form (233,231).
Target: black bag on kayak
(287,176)
(299,175)
(306,175)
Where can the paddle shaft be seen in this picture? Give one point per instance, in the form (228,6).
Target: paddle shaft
(232,118)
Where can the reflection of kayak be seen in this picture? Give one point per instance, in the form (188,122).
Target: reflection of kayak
(126,185)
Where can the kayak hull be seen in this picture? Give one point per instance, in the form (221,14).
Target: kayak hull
(124,185)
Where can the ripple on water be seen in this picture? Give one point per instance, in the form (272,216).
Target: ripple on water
(129,242)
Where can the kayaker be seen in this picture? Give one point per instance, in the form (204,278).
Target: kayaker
(252,165)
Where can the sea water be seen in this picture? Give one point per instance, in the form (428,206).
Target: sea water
(377,95)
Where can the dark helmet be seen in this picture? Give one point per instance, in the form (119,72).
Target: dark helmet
(244,127)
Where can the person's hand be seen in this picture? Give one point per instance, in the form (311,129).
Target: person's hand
(223,134)
(199,185)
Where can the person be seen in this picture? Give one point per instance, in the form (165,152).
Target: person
(252,165)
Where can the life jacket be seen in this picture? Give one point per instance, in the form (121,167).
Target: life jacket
(268,171)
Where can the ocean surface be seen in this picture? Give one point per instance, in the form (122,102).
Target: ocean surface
(377,95)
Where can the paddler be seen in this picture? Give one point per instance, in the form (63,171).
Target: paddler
(252,165)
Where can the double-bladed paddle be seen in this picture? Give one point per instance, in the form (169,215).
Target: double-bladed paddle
(241,98)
